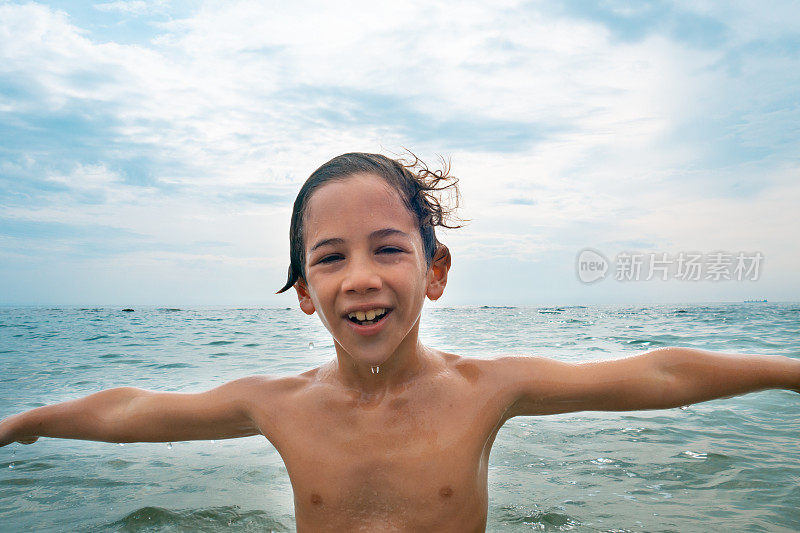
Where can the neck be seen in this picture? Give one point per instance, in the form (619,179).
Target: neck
(407,361)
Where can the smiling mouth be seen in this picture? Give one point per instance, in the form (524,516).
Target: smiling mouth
(368,318)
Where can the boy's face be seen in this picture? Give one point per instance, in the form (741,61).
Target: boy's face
(364,252)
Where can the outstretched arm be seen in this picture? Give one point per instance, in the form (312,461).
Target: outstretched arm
(129,414)
(660,379)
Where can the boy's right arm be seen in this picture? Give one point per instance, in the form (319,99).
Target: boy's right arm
(128,414)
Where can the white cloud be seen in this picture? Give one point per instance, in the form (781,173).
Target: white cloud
(244,99)
(132,7)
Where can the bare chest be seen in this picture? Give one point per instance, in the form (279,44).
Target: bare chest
(403,462)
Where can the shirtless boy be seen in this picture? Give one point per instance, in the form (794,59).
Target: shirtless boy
(391,435)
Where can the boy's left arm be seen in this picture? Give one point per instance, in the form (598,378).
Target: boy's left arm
(660,379)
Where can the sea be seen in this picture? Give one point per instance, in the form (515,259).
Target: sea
(726,465)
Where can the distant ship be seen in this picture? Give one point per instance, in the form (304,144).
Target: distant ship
(755,301)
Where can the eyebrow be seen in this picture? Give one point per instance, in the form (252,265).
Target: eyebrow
(377,234)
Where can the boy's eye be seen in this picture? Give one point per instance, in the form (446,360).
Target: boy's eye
(330,258)
(390,250)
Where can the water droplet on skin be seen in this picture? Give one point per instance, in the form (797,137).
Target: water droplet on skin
(169,445)
(375,369)
(310,345)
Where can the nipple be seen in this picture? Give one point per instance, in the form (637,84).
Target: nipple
(375,369)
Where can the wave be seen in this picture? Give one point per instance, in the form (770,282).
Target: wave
(537,520)
(210,519)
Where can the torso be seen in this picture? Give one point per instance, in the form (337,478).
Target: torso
(413,460)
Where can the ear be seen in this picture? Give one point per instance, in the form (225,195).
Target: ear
(437,272)
(304,297)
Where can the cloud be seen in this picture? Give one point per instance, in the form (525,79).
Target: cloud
(134,7)
(329,107)
(522,201)
(634,22)
(186,123)
(38,230)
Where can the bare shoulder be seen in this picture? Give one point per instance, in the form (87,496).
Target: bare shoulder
(513,380)
(499,370)
(266,387)
(271,399)
(525,373)
(265,397)
(501,375)
(498,383)
(514,367)
(471,369)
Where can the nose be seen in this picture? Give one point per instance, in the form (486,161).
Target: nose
(361,277)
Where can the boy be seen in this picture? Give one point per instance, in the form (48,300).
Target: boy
(391,435)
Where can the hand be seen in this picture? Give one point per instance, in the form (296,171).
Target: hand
(28,440)
(7,434)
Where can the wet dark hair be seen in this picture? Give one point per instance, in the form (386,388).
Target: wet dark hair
(419,187)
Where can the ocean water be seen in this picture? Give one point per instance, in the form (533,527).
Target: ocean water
(730,464)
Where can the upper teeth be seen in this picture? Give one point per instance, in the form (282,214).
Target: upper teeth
(367,315)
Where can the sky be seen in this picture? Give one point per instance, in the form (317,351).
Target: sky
(150,151)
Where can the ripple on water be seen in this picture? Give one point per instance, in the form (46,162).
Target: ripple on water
(130,361)
(17,481)
(208,519)
(118,464)
(95,338)
(540,465)
(549,520)
(177,365)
